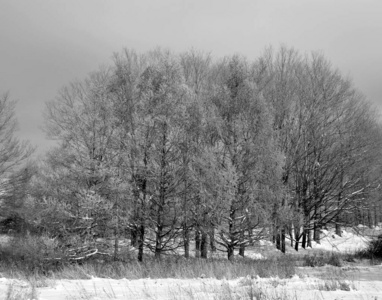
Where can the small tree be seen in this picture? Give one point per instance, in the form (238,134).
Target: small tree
(13,153)
(82,118)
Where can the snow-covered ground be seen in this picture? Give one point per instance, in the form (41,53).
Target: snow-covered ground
(355,281)
(348,242)
(297,287)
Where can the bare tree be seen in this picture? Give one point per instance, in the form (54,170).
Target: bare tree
(13,154)
(82,119)
(324,130)
(248,156)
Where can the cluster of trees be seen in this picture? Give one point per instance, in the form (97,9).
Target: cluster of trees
(166,148)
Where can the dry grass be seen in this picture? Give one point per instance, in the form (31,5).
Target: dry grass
(30,257)
(21,291)
(334,285)
(180,268)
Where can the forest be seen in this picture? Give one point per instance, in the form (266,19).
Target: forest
(188,152)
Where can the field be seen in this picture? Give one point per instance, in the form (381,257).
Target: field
(334,269)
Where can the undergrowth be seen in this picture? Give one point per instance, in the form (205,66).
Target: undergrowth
(375,247)
(166,268)
(39,257)
(322,258)
(29,255)
(373,252)
(35,257)
(334,285)
(16,292)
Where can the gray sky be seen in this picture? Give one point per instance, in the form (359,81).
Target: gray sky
(45,44)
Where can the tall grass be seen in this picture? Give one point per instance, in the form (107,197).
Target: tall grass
(16,265)
(28,255)
(17,292)
(173,267)
(319,259)
(167,268)
(34,257)
(373,252)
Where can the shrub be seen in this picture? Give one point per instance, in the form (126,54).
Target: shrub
(175,267)
(36,255)
(315,260)
(319,260)
(334,260)
(30,253)
(13,223)
(375,247)
(334,285)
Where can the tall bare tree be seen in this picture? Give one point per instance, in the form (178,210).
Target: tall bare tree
(13,154)
(248,155)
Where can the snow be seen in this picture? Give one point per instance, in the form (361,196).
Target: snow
(255,255)
(297,287)
(265,243)
(348,282)
(348,242)
(4,239)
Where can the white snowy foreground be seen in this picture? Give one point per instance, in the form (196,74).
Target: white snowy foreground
(352,281)
(297,287)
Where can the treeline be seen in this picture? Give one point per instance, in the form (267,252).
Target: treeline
(167,148)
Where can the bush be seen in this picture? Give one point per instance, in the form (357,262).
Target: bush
(320,260)
(13,223)
(375,247)
(315,260)
(30,254)
(334,260)
(177,267)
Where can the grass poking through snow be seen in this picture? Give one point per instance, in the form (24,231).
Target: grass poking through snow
(179,268)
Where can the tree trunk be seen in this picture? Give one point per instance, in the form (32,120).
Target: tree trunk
(296,237)
(291,235)
(278,239)
(309,238)
(232,237)
(242,246)
(316,233)
(338,228)
(303,242)
(116,242)
(283,239)
(158,242)
(250,236)
(134,236)
(141,239)
(116,234)
(230,252)
(204,245)
(274,233)
(369,218)
(163,184)
(186,241)
(212,240)
(197,243)
(242,250)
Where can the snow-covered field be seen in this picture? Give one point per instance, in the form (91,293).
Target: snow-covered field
(298,287)
(352,281)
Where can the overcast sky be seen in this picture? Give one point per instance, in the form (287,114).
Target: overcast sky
(45,44)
